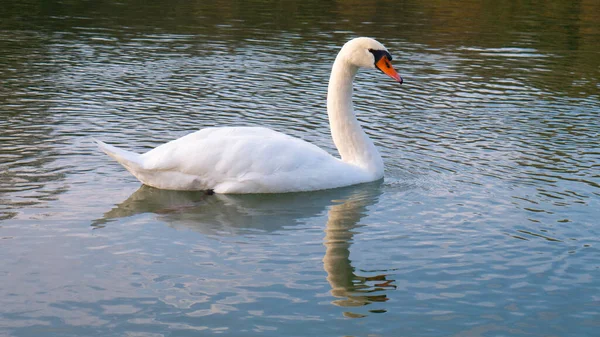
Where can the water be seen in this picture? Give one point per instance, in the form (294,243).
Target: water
(486,223)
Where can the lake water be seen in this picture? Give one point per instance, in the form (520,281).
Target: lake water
(487,222)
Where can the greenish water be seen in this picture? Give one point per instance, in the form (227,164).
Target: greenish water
(487,223)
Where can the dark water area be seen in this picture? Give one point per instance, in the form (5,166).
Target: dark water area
(487,222)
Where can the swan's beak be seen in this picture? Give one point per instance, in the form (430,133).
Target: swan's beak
(385,66)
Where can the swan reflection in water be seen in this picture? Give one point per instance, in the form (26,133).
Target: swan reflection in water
(220,214)
(351,289)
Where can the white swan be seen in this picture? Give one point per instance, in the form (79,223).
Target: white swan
(260,160)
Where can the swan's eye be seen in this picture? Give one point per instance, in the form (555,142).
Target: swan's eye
(378,54)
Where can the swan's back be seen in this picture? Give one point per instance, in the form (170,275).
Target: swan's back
(234,151)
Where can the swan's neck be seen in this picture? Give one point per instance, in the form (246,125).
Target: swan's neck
(352,142)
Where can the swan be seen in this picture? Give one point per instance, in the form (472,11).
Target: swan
(259,160)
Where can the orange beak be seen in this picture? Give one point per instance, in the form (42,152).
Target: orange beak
(385,66)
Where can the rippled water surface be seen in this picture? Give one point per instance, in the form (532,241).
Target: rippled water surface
(487,222)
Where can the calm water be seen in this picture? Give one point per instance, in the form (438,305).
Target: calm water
(487,223)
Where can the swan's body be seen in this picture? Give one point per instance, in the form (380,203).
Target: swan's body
(260,160)
(240,160)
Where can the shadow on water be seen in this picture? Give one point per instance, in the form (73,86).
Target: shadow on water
(220,214)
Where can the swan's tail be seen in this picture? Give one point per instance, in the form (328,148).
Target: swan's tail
(130,160)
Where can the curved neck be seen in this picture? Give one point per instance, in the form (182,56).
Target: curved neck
(352,142)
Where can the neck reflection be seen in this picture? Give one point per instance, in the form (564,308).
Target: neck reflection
(350,288)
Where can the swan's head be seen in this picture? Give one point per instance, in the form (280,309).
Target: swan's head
(365,52)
